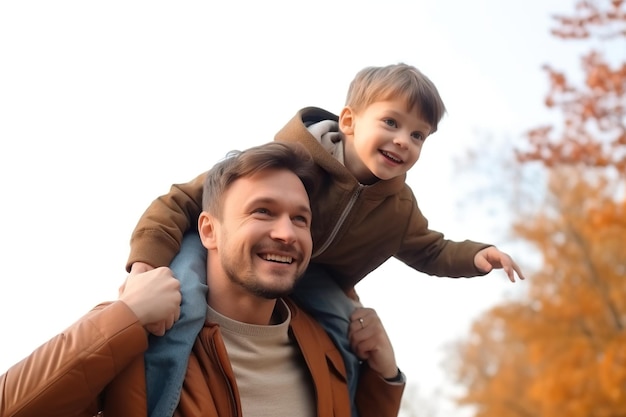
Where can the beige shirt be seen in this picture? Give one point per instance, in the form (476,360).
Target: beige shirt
(272,377)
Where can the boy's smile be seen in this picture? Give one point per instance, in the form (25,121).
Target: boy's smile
(383,141)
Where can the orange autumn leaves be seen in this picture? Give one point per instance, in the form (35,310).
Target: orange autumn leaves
(594,131)
(560,350)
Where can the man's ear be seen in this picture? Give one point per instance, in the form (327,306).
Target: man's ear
(346,121)
(207,230)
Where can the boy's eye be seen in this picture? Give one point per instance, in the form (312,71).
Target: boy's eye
(390,122)
(418,136)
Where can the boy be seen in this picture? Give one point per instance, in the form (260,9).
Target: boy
(363,213)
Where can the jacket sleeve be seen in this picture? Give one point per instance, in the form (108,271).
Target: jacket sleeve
(159,232)
(428,251)
(68,373)
(376,397)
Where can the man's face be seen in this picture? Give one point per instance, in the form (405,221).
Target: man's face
(384,140)
(264,238)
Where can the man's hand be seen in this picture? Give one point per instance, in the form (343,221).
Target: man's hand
(370,342)
(154,296)
(491,257)
(139,267)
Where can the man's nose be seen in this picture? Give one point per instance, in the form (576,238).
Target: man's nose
(284,230)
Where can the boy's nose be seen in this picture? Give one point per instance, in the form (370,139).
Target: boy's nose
(402,141)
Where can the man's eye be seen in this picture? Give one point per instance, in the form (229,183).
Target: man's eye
(301,220)
(261,211)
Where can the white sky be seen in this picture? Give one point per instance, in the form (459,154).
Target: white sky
(103,105)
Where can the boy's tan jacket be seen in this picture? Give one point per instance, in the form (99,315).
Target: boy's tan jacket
(95,368)
(356,228)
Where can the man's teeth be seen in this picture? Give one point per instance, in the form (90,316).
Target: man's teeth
(393,158)
(278,258)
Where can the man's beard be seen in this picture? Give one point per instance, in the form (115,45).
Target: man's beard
(255,288)
(251,284)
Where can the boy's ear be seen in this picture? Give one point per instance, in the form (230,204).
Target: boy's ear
(207,230)
(346,121)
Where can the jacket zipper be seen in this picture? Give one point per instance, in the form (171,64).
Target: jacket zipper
(233,401)
(342,219)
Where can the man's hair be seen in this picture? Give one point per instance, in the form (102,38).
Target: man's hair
(240,164)
(373,84)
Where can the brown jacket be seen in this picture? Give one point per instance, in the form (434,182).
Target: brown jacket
(96,366)
(356,228)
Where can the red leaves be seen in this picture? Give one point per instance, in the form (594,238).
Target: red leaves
(560,350)
(594,113)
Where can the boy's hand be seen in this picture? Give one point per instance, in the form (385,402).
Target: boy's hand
(370,342)
(491,257)
(155,298)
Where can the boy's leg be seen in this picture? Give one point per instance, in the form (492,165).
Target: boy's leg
(318,294)
(167,356)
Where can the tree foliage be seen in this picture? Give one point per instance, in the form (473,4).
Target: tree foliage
(594,129)
(560,350)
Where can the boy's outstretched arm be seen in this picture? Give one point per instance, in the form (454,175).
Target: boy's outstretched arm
(159,232)
(491,257)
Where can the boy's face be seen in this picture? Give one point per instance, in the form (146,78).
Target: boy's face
(383,141)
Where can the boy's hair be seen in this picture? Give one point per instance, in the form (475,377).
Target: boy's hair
(373,84)
(240,164)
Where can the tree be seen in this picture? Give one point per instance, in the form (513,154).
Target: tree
(594,130)
(560,350)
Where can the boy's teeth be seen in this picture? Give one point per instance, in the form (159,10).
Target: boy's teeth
(391,156)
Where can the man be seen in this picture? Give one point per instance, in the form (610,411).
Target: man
(258,353)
